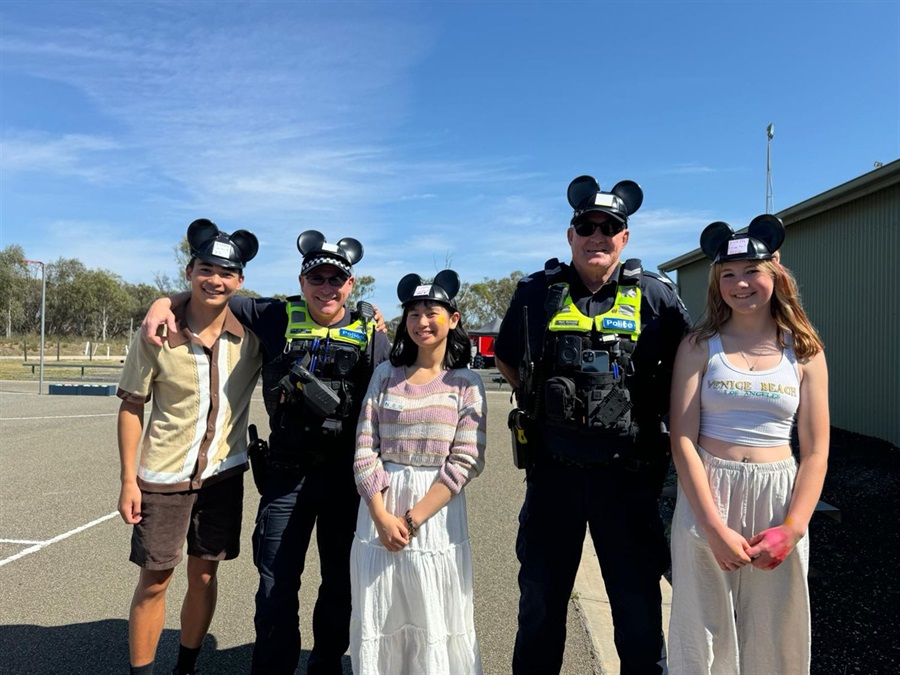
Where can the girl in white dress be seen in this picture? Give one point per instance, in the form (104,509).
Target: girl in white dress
(421,438)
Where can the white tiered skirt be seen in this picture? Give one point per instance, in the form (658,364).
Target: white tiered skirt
(413,610)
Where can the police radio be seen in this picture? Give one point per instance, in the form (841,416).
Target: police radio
(365,310)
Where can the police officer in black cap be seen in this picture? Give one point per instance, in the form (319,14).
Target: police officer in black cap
(318,357)
(589,348)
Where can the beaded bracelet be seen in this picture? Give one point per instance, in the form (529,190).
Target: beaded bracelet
(413,530)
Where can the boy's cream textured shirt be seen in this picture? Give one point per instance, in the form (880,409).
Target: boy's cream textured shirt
(200,399)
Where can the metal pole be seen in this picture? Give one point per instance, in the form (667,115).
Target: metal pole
(770,200)
(43,323)
(43,318)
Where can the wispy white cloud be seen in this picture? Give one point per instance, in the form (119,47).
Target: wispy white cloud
(248,110)
(408,198)
(688,169)
(69,154)
(110,246)
(658,235)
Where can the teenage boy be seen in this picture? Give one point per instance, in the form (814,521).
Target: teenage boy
(188,484)
(307,481)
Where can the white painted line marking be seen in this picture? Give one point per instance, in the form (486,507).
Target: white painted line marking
(19,541)
(72,417)
(56,417)
(44,544)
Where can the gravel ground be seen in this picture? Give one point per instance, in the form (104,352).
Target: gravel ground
(855,576)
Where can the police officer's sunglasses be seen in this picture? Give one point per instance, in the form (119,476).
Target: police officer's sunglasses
(608,228)
(335,281)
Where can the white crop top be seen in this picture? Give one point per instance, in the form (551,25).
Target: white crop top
(752,408)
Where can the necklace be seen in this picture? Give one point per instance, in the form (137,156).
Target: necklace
(752,366)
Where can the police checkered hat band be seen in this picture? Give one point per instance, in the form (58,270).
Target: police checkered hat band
(325,259)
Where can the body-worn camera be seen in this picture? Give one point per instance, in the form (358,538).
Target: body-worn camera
(344,360)
(568,351)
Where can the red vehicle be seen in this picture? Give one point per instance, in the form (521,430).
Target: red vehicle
(483,343)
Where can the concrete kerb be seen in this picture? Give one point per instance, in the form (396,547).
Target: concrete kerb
(593,604)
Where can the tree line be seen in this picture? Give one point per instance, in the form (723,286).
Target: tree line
(100,305)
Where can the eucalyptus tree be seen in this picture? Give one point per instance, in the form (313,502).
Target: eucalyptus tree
(14,283)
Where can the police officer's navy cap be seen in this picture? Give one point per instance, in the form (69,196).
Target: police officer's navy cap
(444,288)
(763,237)
(316,252)
(585,196)
(211,245)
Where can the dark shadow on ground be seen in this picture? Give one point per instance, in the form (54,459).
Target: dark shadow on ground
(101,648)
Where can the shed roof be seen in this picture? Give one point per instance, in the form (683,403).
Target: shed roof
(853,189)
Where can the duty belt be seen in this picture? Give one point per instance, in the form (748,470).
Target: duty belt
(627,463)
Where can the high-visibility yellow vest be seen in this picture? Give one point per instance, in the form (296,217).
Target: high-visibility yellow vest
(302,327)
(623,318)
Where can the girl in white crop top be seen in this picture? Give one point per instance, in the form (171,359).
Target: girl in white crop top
(750,371)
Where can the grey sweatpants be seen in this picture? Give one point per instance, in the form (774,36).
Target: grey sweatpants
(748,622)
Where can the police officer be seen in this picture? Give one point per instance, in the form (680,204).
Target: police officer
(318,357)
(592,367)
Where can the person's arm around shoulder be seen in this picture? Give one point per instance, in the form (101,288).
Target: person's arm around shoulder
(130,426)
(159,314)
(772,546)
(728,547)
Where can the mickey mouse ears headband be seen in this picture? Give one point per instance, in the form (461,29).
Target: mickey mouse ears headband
(584,195)
(211,245)
(443,289)
(316,251)
(763,237)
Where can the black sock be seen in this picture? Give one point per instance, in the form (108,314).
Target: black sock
(142,670)
(187,659)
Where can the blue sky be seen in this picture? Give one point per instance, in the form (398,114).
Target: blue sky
(430,131)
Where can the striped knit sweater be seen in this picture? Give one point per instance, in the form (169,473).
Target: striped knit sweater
(440,424)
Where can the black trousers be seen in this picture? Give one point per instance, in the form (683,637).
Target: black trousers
(291,504)
(621,508)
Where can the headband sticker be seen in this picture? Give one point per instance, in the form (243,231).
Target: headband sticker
(221,249)
(329,247)
(737,246)
(422,290)
(603,199)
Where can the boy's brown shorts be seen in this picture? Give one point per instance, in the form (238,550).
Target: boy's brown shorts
(209,519)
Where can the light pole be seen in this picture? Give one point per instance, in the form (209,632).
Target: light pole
(43,315)
(770,199)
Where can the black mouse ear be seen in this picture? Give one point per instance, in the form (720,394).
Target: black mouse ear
(309,241)
(630,193)
(580,189)
(449,281)
(352,249)
(769,230)
(407,286)
(247,244)
(199,232)
(713,236)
